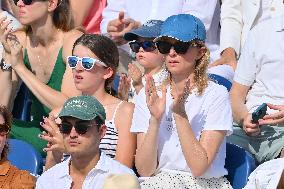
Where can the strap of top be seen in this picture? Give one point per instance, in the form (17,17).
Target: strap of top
(116,109)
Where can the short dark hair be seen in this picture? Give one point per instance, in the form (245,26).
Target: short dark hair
(104,48)
(8,123)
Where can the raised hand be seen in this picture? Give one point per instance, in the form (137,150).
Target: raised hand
(124,87)
(156,104)
(136,75)
(180,98)
(15,57)
(52,136)
(5,30)
(118,27)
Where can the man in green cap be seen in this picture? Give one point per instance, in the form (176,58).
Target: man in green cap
(82,126)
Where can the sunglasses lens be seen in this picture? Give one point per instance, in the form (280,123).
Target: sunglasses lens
(65,128)
(81,128)
(88,63)
(164,47)
(27,2)
(148,46)
(181,48)
(72,61)
(135,46)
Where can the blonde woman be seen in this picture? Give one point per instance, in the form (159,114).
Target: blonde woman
(181,140)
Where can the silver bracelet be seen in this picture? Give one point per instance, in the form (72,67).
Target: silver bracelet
(4,66)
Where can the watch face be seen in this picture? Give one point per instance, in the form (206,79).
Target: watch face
(4,66)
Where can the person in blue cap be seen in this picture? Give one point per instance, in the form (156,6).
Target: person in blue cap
(147,55)
(182,127)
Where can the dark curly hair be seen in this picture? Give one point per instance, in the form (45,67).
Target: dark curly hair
(8,123)
(105,49)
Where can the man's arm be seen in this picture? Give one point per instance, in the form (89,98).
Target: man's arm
(231,25)
(111,12)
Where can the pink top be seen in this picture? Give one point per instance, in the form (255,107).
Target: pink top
(93,20)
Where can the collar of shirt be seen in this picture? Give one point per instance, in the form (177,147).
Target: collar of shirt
(102,165)
(4,167)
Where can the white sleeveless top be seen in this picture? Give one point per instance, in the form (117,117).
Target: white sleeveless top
(109,141)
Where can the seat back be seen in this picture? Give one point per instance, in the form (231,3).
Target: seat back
(24,156)
(220,80)
(22,104)
(239,164)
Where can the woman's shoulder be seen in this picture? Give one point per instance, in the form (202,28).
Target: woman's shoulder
(69,39)
(127,106)
(72,35)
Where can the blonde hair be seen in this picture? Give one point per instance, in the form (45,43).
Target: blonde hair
(200,72)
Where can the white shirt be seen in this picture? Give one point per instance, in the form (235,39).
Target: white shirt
(58,176)
(158,78)
(211,111)
(269,9)
(261,64)
(266,175)
(142,10)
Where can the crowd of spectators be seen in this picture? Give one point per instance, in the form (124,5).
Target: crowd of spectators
(167,123)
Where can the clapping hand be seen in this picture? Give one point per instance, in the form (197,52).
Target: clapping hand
(124,87)
(156,104)
(15,57)
(136,75)
(52,136)
(5,30)
(180,98)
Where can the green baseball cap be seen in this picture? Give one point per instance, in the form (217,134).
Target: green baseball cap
(84,108)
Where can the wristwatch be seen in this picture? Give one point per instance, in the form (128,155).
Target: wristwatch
(4,66)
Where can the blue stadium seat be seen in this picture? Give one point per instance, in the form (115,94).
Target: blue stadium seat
(239,164)
(22,104)
(24,156)
(220,80)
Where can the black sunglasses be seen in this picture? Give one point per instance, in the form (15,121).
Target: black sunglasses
(26,2)
(80,128)
(4,129)
(180,47)
(148,46)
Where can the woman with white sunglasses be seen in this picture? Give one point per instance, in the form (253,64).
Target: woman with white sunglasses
(94,62)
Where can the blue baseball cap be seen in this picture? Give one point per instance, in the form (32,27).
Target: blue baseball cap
(150,29)
(183,27)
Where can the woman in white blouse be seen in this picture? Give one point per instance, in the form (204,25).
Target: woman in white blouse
(181,129)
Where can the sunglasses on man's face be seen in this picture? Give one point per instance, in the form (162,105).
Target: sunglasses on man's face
(80,128)
(147,46)
(26,2)
(3,130)
(180,47)
(86,62)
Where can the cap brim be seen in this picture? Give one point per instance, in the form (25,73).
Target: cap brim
(167,36)
(133,35)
